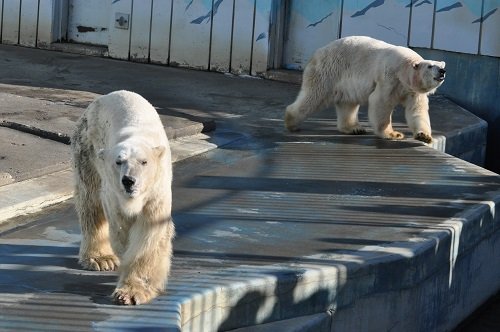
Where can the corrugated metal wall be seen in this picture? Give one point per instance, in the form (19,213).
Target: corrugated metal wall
(234,35)
(465,26)
(220,35)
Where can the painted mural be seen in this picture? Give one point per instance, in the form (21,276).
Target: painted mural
(235,35)
(382,19)
(466,26)
(311,24)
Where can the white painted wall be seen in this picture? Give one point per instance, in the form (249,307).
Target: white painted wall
(490,35)
(233,35)
(28,23)
(88,21)
(190,36)
(140,30)
(119,39)
(10,21)
(387,20)
(159,49)
(311,25)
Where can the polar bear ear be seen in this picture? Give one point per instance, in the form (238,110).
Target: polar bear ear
(159,151)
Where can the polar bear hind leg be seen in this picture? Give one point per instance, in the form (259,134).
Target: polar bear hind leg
(306,103)
(313,96)
(347,119)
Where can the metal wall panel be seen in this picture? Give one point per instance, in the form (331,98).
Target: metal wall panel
(260,50)
(456,25)
(190,41)
(386,20)
(311,25)
(10,21)
(241,54)
(1,16)
(140,30)
(119,39)
(45,22)
(28,23)
(222,28)
(160,31)
(422,14)
(88,21)
(490,34)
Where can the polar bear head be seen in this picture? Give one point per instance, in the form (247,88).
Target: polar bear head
(428,75)
(132,167)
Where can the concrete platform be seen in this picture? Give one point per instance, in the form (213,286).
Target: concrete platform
(305,230)
(311,231)
(35,119)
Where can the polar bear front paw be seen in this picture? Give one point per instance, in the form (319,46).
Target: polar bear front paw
(421,136)
(291,122)
(395,135)
(101,263)
(133,295)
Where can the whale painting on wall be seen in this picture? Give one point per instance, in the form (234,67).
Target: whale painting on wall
(310,25)
(386,20)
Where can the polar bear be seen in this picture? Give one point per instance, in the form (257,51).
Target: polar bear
(123,175)
(359,70)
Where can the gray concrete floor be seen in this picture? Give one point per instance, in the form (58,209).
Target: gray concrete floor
(264,217)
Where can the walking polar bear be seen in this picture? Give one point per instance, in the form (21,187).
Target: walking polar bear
(358,70)
(123,176)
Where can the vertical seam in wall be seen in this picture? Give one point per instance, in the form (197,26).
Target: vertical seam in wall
(480,29)
(150,30)
(170,30)
(433,23)
(1,24)
(253,37)
(232,35)
(67,23)
(409,24)
(210,38)
(130,28)
(341,19)
(37,22)
(19,23)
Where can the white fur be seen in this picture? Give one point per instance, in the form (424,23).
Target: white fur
(358,70)
(121,135)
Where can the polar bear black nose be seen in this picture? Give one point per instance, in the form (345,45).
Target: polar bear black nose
(128,181)
(442,71)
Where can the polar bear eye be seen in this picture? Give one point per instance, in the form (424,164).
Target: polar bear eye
(144,162)
(429,66)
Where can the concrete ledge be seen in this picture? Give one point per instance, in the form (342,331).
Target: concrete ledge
(30,196)
(405,242)
(33,195)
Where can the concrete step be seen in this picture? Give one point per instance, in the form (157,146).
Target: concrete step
(54,183)
(34,121)
(351,235)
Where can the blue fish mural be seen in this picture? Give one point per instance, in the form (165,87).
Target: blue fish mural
(363,11)
(485,16)
(208,15)
(320,21)
(457,4)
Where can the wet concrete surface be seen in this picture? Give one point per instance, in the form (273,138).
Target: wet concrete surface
(278,212)
(271,225)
